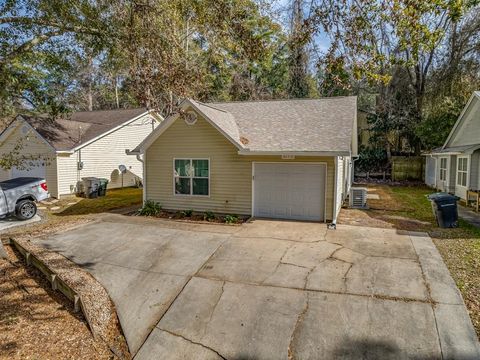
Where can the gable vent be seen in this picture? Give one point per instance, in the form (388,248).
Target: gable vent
(190,118)
(358,198)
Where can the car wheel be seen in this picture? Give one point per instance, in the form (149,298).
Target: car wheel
(25,209)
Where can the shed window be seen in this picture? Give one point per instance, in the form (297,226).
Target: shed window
(443,169)
(192,177)
(462,171)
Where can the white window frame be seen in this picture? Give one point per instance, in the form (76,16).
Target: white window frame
(191,178)
(443,170)
(462,171)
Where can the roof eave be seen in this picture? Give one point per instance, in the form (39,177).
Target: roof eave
(88,142)
(294,153)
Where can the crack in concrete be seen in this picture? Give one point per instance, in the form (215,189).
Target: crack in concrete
(279,239)
(301,316)
(194,342)
(178,294)
(292,264)
(278,265)
(374,296)
(346,275)
(213,309)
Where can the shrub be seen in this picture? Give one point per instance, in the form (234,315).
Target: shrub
(150,208)
(231,219)
(209,216)
(187,213)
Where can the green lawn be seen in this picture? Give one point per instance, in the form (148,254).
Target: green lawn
(114,199)
(460,247)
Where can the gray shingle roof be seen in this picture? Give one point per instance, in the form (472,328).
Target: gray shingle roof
(310,125)
(456,149)
(80,127)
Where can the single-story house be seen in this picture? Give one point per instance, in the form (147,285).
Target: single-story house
(64,150)
(455,167)
(287,159)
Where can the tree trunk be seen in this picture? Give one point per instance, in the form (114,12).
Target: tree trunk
(90,83)
(117,101)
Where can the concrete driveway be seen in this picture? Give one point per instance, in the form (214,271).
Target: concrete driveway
(273,290)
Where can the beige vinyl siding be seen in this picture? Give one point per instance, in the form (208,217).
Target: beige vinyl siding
(230,173)
(33,145)
(102,158)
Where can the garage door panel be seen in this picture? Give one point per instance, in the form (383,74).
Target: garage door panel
(32,169)
(290,191)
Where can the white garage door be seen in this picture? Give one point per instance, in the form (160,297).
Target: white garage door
(289,191)
(34,169)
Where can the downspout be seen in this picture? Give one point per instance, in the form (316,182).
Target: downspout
(138,155)
(333,224)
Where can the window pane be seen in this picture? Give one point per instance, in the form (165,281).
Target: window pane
(201,168)
(200,186)
(182,186)
(182,167)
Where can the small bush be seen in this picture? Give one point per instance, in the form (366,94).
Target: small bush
(231,219)
(187,213)
(151,208)
(209,216)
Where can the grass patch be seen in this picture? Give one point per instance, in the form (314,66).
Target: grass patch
(114,199)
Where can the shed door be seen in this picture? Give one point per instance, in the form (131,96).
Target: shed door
(35,169)
(289,191)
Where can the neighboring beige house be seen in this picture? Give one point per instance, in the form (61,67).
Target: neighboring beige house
(85,144)
(287,159)
(455,167)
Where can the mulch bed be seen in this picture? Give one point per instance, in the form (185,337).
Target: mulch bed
(37,322)
(96,304)
(195,217)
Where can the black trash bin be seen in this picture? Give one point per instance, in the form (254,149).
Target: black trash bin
(91,186)
(444,208)
(102,188)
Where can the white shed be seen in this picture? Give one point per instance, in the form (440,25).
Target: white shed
(65,150)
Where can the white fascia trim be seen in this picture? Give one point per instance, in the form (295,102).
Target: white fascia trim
(10,128)
(68,152)
(155,134)
(237,145)
(296,153)
(150,139)
(475,94)
(111,131)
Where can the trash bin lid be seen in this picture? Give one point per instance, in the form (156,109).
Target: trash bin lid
(442,196)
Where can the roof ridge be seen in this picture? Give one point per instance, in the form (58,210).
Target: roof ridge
(212,107)
(105,110)
(278,100)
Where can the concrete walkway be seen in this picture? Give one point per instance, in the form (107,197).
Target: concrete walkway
(11,222)
(469,215)
(273,290)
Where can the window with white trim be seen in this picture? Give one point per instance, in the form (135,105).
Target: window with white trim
(443,168)
(462,171)
(192,177)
